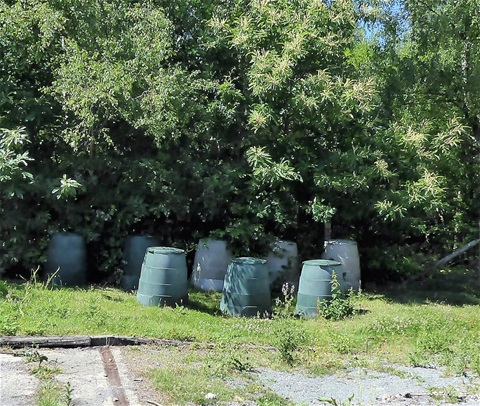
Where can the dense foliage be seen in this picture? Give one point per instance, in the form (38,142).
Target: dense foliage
(244,120)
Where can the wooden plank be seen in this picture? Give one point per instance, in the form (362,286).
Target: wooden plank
(82,341)
(46,342)
(99,341)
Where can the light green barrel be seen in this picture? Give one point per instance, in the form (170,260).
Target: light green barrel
(67,259)
(163,277)
(315,285)
(246,291)
(283,266)
(210,264)
(133,255)
(346,252)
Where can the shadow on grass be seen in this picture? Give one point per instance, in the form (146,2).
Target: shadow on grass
(205,302)
(455,287)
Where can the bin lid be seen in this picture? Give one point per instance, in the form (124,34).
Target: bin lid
(249,261)
(322,262)
(165,250)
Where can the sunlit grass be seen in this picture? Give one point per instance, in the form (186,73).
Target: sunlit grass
(52,393)
(418,332)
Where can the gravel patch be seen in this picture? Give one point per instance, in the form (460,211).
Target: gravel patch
(411,386)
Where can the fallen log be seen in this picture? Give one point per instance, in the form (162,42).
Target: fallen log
(455,254)
(444,261)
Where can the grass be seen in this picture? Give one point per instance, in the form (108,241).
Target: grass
(189,376)
(50,392)
(423,325)
(202,374)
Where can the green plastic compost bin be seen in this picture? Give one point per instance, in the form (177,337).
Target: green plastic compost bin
(246,291)
(315,285)
(163,277)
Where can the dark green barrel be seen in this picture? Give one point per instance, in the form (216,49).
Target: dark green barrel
(67,253)
(246,291)
(133,255)
(163,278)
(315,285)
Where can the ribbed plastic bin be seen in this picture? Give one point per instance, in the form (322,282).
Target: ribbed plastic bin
(315,285)
(346,252)
(210,265)
(67,253)
(246,291)
(163,278)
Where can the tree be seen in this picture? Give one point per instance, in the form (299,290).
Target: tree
(245,119)
(304,101)
(426,62)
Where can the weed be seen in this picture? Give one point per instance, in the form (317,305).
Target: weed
(3,289)
(94,314)
(177,334)
(340,306)
(475,364)
(335,402)
(223,362)
(239,363)
(318,362)
(44,372)
(447,394)
(109,295)
(284,307)
(68,394)
(288,339)
(36,330)
(189,383)
(272,399)
(35,283)
(52,393)
(34,356)
(434,339)
(180,308)
(401,325)
(420,360)
(458,363)
(344,343)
